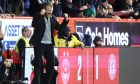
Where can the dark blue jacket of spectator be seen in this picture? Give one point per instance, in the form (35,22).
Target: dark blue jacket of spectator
(57,10)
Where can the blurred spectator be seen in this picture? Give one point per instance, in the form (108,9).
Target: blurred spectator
(36,6)
(136,5)
(98,42)
(118,5)
(105,10)
(3,6)
(6,6)
(1,10)
(72,10)
(21,7)
(23,41)
(11,7)
(112,13)
(26,4)
(87,40)
(102,10)
(20,46)
(91,11)
(7,70)
(128,9)
(6,15)
(79,3)
(66,39)
(57,9)
(97,3)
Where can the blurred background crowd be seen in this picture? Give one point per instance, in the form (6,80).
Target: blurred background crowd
(75,8)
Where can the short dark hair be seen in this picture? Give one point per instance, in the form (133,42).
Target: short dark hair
(47,4)
(96,39)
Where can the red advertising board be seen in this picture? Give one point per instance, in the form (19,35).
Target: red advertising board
(75,66)
(68,66)
(106,66)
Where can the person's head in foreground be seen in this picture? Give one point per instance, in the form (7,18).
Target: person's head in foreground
(98,42)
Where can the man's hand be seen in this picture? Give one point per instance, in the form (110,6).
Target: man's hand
(42,12)
(66,16)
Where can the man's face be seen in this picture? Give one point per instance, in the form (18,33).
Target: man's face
(49,11)
(27,33)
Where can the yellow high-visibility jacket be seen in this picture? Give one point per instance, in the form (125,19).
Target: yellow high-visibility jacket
(62,42)
(26,43)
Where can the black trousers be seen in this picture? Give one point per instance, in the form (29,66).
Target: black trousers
(47,51)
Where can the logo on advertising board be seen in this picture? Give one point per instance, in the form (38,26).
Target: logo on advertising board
(65,70)
(112,33)
(112,67)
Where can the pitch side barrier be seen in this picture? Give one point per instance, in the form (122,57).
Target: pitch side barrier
(93,65)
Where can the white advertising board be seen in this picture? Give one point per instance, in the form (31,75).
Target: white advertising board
(11,29)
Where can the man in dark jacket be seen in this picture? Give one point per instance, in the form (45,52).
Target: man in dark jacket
(42,40)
